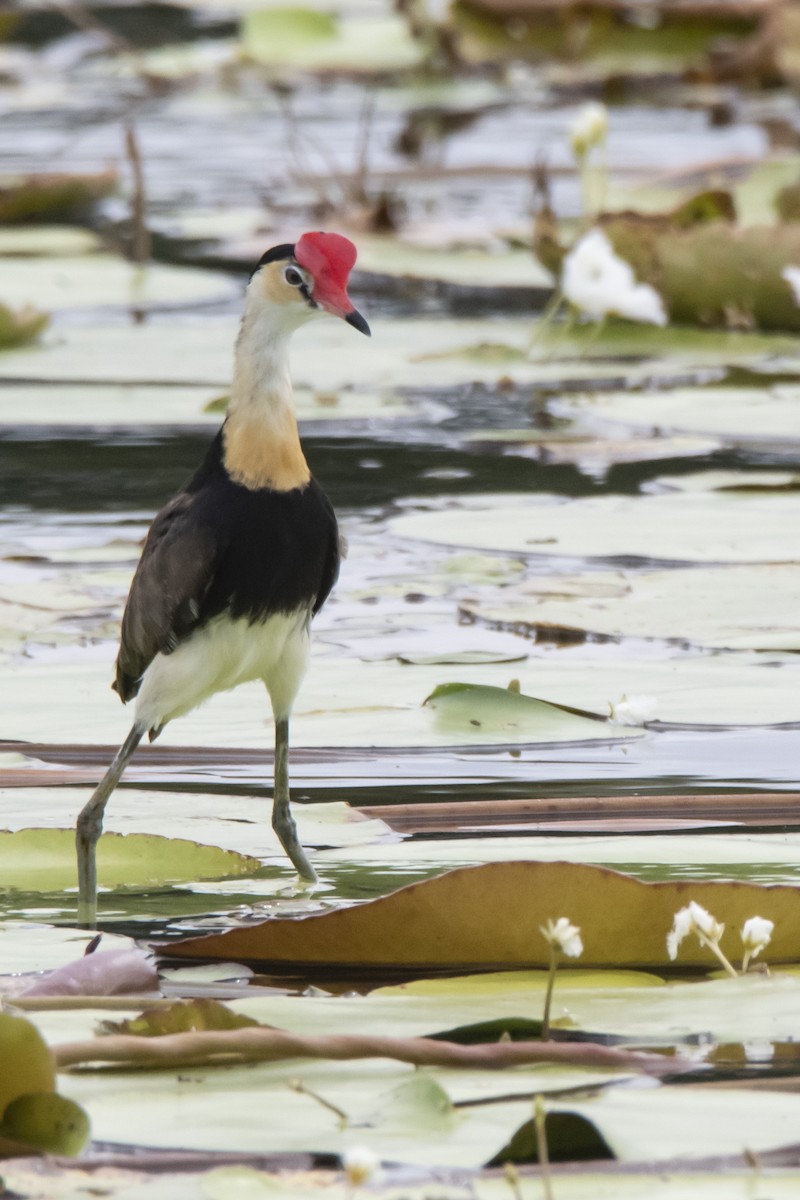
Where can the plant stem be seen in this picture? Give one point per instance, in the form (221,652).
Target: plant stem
(539,1119)
(548,996)
(140,248)
(546,318)
(714,948)
(297,1085)
(511,1176)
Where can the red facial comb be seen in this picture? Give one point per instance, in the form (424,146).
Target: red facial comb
(329,257)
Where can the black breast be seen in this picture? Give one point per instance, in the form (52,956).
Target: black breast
(221,548)
(277,551)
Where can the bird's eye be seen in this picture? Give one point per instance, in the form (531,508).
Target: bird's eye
(292,277)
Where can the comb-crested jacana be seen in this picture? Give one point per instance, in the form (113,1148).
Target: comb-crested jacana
(237,563)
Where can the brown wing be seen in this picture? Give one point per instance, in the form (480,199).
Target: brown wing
(165,600)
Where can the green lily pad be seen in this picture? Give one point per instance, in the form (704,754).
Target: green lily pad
(132,405)
(749,416)
(718,527)
(403,353)
(333,706)
(26,241)
(96,280)
(681,342)
(104,404)
(46,197)
(464,268)
(28,1064)
(46,1121)
(679,1122)
(238,824)
(300,38)
(21,325)
(629,1004)
(270,34)
(400,1113)
(183,1016)
(505,985)
(750,607)
(44,860)
(755,188)
(507,713)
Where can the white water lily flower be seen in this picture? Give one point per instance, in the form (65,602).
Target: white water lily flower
(792,277)
(692,919)
(589,128)
(681,928)
(758,1052)
(598,282)
(756,934)
(632,710)
(563,936)
(361,1166)
(438,11)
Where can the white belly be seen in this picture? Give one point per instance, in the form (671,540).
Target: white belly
(222,655)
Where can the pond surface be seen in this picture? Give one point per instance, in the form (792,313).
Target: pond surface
(454,407)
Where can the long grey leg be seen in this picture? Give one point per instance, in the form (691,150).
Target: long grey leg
(282,819)
(90,826)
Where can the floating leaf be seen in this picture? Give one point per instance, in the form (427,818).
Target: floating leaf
(757,416)
(506,712)
(752,607)
(410,353)
(98,279)
(27,241)
(682,1122)
(183,1016)
(717,527)
(460,920)
(742,285)
(104,404)
(675,36)
(273,34)
(18,326)
(683,343)
(47,1122)
(44,860)
(309,39)
(28,1064)
(52,197)
(509,269)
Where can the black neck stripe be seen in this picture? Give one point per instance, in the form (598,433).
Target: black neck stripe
(276,254)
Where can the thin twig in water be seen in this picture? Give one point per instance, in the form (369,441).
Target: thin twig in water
(366,123)
(140,245)
(297,1085)
(299,168)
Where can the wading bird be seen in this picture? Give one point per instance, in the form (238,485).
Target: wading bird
(237,563)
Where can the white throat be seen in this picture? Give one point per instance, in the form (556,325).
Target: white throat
(262,445)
